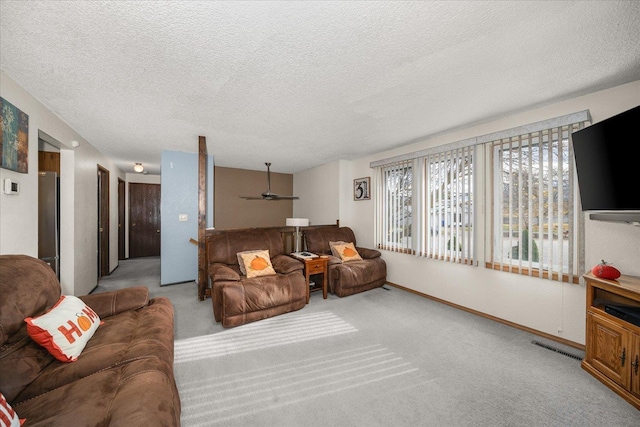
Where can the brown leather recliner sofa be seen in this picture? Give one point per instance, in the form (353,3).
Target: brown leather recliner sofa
(351,277)
(238,299)
(124,375)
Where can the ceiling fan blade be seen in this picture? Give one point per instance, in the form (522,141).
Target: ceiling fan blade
(268,195)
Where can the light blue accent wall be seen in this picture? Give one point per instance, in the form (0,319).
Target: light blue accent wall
(179,196)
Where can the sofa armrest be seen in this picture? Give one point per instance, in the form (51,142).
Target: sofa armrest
(366,253)
(222,272)
(334,260)
(284,264)
(111,303)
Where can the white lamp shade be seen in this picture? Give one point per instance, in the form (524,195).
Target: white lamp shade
(297,222)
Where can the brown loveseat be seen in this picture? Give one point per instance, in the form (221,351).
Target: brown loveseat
(347,278)
(238,299)
(124,375)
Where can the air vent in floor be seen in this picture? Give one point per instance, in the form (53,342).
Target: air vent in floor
(557,350)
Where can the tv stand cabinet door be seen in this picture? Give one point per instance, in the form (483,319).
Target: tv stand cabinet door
(608,349)
(635,365)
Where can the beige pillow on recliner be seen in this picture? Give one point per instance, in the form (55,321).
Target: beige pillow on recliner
(347,252)
(257,263)
(332,245)
(241,261)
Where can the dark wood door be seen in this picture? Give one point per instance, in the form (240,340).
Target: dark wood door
(121,212)
(103,222)
(144,220)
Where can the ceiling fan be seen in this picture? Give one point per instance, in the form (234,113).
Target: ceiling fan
(268,195)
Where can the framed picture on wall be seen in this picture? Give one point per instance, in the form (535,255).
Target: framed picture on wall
(362,188)
(14,137)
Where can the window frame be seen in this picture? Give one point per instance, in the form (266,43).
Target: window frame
(482,186)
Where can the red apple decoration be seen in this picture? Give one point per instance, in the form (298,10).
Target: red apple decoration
(605,271)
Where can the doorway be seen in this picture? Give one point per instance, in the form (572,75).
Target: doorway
(103,222)
(121,219)
(144,220)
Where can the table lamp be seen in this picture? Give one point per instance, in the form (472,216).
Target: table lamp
(297,223)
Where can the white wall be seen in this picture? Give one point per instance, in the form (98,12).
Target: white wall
(550,307)
(316,188)
(78,197)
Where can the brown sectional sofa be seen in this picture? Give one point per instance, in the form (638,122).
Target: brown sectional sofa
(124,375)
(350,277)
(238,299)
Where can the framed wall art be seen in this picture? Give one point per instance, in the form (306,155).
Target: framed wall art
(362,188)
(14,137)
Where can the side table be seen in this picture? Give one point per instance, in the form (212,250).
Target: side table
(312,267)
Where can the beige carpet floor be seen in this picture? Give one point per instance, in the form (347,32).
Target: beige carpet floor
(385,357)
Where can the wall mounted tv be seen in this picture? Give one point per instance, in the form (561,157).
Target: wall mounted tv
(607,157)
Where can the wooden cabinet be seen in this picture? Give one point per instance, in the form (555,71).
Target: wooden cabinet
(49,161)
(612,351)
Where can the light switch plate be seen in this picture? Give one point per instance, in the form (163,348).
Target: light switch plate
(182,217)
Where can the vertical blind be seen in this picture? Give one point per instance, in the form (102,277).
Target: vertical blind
(394,209)
(449,216)
(535,199)
(425,200)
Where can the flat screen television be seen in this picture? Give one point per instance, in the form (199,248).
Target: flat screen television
(607,158)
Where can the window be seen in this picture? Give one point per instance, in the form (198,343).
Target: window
(534,215)
(448,205)
(426,206)
(508,199)
(395,208)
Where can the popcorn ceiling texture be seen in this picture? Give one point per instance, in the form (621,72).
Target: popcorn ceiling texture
(276,81)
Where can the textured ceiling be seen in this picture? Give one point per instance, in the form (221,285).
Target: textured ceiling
(300,84)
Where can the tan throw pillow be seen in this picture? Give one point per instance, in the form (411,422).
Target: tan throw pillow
(241,261)
(257,264)
(347,252)
(333,249)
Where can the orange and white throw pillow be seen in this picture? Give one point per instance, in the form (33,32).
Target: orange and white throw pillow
(347,252)
(257,264)
(332,246)
(241,261)
(8,417)
(65,329)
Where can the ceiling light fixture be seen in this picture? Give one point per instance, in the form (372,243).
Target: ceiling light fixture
(138,167)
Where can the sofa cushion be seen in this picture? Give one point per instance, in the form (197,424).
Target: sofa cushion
(28,287)
(224,245)
(261,297)
(317,239)
(65,329)
(141,392)
(111,303)
(257,264)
